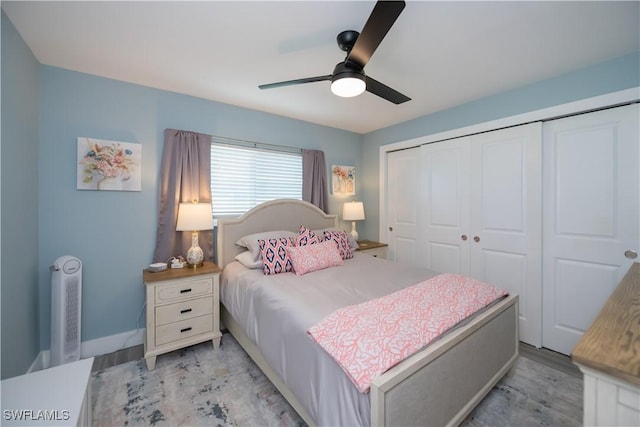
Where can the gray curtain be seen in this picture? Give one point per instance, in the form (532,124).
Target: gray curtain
(314,179)
(185,175)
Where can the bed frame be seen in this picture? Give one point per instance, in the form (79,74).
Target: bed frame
(439,385)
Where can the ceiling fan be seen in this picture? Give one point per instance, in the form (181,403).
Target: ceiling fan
(348,78)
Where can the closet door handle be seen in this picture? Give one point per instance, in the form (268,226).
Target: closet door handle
(476,239)
(390,228)
(463,237)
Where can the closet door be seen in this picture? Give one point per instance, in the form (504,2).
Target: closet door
(505,219)
(403,206)
(445,186)
(591,217)
(481,210)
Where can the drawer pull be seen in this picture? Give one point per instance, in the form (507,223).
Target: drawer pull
(184,291)
(185,329)
(186,310)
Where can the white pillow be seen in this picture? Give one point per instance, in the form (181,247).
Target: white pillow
(250,242)
(247,260)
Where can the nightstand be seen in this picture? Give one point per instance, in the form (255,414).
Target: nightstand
(375,249)
(183,308)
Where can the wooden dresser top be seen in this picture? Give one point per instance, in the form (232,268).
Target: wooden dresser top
(179,273)
(612,343)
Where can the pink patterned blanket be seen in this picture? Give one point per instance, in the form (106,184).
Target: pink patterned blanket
(370,338)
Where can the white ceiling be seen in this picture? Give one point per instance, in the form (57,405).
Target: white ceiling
(440,54)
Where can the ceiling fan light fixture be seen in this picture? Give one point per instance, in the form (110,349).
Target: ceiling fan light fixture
(348,86)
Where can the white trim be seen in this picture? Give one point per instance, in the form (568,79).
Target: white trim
(571,108)
(96,347)
(40,362)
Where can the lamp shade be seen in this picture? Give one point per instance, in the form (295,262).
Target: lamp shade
(194,217)
(353,211)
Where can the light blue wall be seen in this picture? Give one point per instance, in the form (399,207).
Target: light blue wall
(113,233)
(19,177)
(611,76)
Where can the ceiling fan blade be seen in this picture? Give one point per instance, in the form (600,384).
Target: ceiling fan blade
(385,92)
(380,21)
(296,82)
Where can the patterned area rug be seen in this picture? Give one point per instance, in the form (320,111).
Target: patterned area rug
(201,387)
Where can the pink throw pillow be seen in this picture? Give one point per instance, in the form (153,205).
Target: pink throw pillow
(274,255)
(341,240)
(306,259)
(307,237)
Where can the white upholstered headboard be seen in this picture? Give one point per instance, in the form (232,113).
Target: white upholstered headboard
(280,214)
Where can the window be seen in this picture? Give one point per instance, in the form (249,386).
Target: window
(242,176)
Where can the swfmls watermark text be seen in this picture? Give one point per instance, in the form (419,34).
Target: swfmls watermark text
(36,414)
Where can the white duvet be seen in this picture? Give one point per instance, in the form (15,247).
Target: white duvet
(276,311)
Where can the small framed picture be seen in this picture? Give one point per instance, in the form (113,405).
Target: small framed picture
(109,165)
(343,180)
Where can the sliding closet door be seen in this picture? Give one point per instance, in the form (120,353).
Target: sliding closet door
(403,206)
(591,217)
(505,222)
(445,187)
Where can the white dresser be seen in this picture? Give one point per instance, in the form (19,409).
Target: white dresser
(58,396)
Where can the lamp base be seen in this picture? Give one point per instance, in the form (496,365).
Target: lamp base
(195,255)
(354,233)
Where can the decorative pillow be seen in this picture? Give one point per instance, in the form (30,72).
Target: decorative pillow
(274,255)
(251,242)
(246,259)
(314,257)
(307,237)
(341,241)
(353,244)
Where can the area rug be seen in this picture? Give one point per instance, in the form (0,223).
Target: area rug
(198,386)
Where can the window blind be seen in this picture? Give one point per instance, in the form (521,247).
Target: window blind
(243,177)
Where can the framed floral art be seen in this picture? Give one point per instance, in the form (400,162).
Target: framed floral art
(343,180)
(109,165)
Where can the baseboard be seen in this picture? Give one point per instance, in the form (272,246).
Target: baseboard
(96,347)
(40,362)
(112,343)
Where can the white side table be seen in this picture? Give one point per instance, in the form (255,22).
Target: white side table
(372,248)
(183,309)
(58,396)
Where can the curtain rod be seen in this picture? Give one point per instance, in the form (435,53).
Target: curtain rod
(254,144)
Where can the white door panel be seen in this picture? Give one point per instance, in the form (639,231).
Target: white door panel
(591,216)
(505,219)
(508,271)
(403,205)
(445,178)
(443,257)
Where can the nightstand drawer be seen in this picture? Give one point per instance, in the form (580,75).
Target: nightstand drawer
(183,290)
(184,329)
(377,252)
(183,310)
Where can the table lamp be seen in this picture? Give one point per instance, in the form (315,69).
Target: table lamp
(194,217)
(353,211)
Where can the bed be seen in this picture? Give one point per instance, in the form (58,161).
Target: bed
(439,385)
